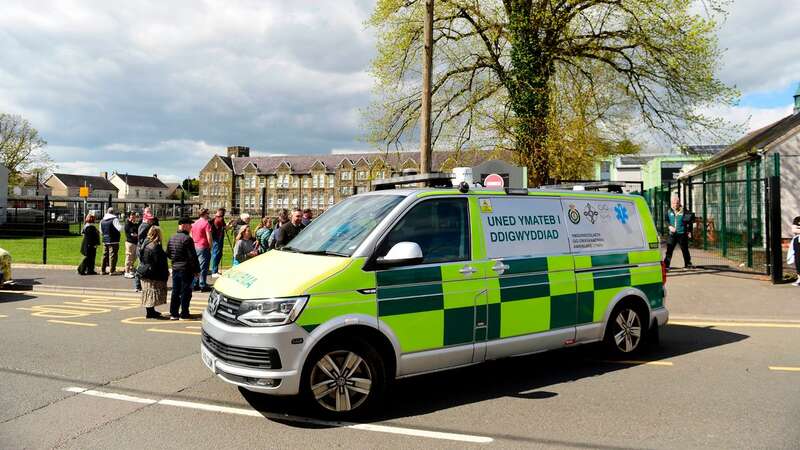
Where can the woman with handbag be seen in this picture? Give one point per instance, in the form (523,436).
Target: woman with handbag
(154,272)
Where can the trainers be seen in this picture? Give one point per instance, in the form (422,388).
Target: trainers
(796,283)
(173,317)
(128,275)
(215,275)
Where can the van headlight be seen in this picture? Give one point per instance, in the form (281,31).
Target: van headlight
(271,312)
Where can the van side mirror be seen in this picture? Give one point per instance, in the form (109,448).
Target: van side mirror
(401,254)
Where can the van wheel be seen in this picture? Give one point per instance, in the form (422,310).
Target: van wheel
(344,379)
(625,332)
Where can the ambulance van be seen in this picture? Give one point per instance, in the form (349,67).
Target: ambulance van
(391,284)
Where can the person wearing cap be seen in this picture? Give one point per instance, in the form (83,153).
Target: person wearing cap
(181,250)
(201,235)
(110,228)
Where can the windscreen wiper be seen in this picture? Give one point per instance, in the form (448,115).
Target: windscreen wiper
(324,252)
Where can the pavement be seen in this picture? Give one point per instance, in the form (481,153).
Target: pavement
(87,371)
(66,278)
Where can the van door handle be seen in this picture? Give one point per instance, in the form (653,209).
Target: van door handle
(500,267)
(467,270)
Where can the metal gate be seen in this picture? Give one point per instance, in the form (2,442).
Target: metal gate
(731,230)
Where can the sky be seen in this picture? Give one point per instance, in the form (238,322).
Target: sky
(147,86)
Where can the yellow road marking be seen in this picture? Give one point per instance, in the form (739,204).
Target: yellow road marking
(3,316)
(194,328)
(64,294)
(66,322)
(784,369)
(734,324)
(633,361)
(163,330)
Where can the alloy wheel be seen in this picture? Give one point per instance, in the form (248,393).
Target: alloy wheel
(627,330)
(341,381)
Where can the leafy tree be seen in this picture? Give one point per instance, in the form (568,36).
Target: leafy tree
(559,82)
(21,147)
(191,186)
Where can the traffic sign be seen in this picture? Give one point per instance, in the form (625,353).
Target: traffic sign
(494,181)
(84,192)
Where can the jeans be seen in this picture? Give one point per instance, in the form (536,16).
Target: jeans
(110,257)
(203,258)
(216,254)
(181,293)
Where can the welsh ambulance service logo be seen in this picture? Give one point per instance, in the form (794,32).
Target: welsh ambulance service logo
(486,205)
(574,215)
(622,213)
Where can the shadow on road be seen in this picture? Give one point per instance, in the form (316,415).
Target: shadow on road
(9,297)
(523,377)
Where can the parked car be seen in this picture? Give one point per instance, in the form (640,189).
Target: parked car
(5,267)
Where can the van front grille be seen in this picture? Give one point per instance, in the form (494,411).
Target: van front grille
(258,358)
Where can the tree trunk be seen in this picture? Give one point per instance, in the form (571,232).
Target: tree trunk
(529,93)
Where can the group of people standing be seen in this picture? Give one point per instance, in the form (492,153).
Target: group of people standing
(196,251)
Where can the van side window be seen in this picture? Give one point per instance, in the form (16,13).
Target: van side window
(439,226)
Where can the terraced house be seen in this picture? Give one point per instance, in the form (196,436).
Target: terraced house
(235,181)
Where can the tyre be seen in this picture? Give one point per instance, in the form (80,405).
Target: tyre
(343,379)
(625,331)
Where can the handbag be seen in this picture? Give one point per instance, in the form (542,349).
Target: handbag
(790,257)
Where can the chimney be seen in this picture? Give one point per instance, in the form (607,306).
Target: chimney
(797,100)
(238,151)
(104,175)
(155,175)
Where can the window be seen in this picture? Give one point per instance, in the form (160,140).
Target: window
(271,201)
(345,190)
(346,175)
(263,182)
(330,201)
(331,180)
(305,202)
(362,175)
(137,193)
(305,182)
(438,226)
(271,182)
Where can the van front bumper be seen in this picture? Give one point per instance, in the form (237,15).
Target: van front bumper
(282,380)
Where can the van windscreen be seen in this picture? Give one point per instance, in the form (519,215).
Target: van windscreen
(341,229)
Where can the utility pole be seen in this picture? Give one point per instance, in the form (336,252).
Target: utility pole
(427,73)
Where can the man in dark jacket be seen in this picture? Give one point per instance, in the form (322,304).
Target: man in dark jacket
(290,229)
(110,228)
(180,250)
(131,239)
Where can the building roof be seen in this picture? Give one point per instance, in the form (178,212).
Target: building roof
(749,143)
(72,181)
(304,163)
(141,181)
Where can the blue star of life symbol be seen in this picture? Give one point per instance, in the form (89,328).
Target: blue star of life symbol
(622,213)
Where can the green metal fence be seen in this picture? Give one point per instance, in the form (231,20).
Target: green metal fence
(730,207)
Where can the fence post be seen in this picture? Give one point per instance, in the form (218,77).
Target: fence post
(263,202)
(705,212)
(775,244)
(723,226)
(183,205)
(748,189)
(46,210)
